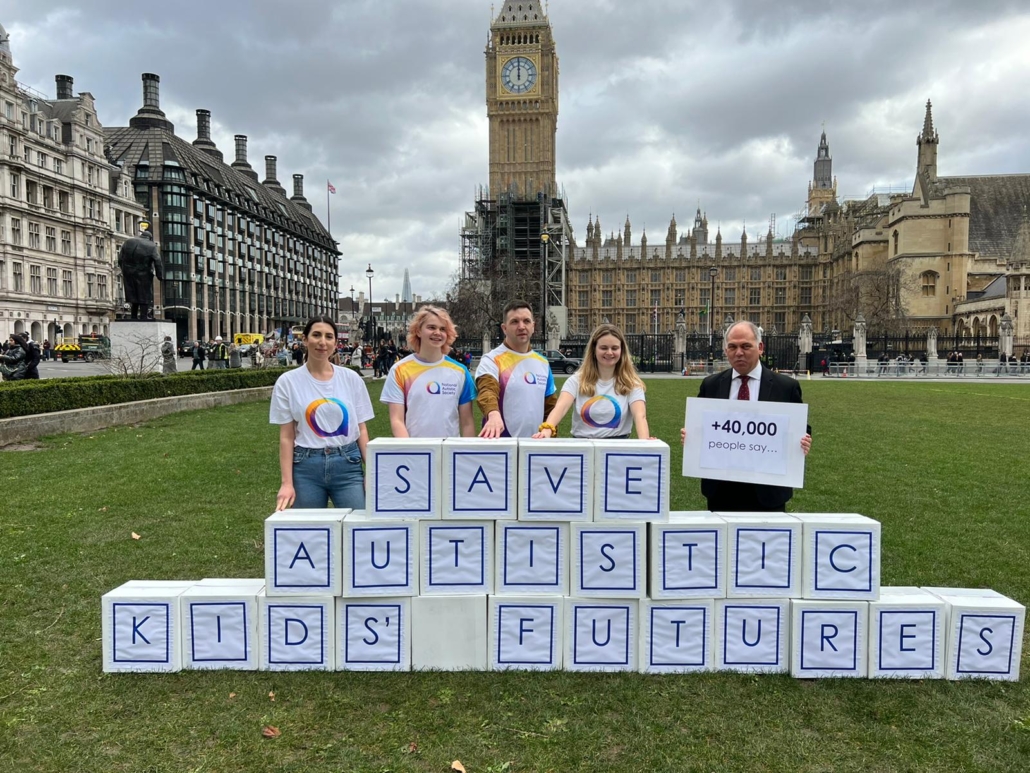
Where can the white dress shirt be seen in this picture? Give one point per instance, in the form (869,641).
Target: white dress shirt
(753,382)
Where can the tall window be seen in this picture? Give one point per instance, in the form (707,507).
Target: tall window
(606,277)
(729,274)
(102,286)
(15,231)
(3,275)
(806,296)
(36,280)
(756,296)
(929,284)
(606,298)
(756,275)
(584,298)
(34,236)
(66,242)
(63,201)
(656,297)
(631,323)
(51,281)
(781,296)
(631,276)
(19,278)
(631,297)
(58,166)
(680,298)
(89,284)
(15,186)
(730,296)
(681,275)
(895,237)
(66,284)
(806,273)
(51,239)
(781,275)
(656,276)
(31,192)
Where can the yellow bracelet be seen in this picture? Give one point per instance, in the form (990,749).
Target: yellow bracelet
(545,425)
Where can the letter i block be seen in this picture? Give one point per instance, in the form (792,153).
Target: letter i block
(765,555)
(140,627)
(380,556)
(457,558)
(479,478)
(556,479)
(828,638)
(907,634)
(526,633)
(220,625)
(688,557)
(449,633)
(302,552)
(985,634)
(752,635)
(373,634)
(601,635)
(840,557)
(609,560)
(403,478)
(532,558)
(632,479)
(297,633)
(677,636)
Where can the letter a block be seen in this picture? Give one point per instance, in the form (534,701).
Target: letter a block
(479,478)
(380,556)
(140,627)
(556,479)
(677,636)
(457,558)
(985,634)
(907,634)
(302,552)
(526,633)
(828,638)
(532,558)
(373,634)
(632,480)
(609,560)
(765,555)
(449,633)
(220,625)
(601,635)
(297,633)
(752,635)
(840,557)
(688,557)
(403,478)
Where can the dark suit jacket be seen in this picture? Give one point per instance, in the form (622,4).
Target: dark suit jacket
(774,388)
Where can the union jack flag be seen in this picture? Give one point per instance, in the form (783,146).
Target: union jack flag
(332,188)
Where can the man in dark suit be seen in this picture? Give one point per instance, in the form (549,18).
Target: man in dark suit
(746,379)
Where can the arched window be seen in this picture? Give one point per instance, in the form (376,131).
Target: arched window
(895,242)
(929,283)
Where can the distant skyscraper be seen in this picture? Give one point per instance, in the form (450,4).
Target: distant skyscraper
(406,289)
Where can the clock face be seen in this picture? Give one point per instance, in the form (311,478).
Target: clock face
(518,75)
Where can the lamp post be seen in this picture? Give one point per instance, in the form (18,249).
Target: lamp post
(712,273)
(545,239)
(371,319)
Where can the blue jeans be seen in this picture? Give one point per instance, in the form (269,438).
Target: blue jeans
(321,474)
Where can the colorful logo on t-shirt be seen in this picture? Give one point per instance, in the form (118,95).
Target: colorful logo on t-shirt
(327,417)
(530,378)
(433,387)
(601,412)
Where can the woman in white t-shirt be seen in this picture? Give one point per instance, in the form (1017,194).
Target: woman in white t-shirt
(321,410)
(606,393)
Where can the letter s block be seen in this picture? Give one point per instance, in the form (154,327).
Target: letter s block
(609,560)
(985,634)
(373,634)
(403,478)
(632,479)
(302,552)
(479,478)
(556,479)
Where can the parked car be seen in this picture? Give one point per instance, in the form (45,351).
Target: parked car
(560,363)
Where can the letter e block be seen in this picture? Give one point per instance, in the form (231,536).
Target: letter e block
(688,557)
(632,480)
(526,633)
(373,634)
(380,556)
(479,478)
(457,558)
(140,627)
(840,557)
(907,634)
(556,479)
(677,636)
(404,478)
(828,638)
(609,560)
(601,635)
(765,555)
(752,635)
(302,552)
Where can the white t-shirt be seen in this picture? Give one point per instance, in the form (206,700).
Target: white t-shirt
(431,393)
(524,380)
(327,413)
(605,414)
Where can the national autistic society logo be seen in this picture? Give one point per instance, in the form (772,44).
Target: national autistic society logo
(433,387)
(530,378)
(327,417)
(601,412)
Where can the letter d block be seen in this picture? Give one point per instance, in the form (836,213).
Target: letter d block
(526,633)
(380,557)
(601,635)
(907,634)
(985,634)
(765,555)
(752,635)
(297,633)
(840,557)
(609,560)
(828,638)
(688,557)
(404,478)
(373,634)
(632,479)
(479,478)
(302,552)
(556,479)
(220,625)
(140,627)
(457,558)
(532,558)
(677,636)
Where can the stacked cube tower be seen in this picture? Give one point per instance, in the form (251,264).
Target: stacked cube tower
(559,554)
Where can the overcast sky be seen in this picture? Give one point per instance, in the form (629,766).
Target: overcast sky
(664,103)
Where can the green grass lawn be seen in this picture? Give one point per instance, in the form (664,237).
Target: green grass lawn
(943,466)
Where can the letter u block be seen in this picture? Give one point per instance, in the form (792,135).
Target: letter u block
(840,557)
(532,558)
(764,555)
(479,478)
(380,556)
(140,626)
(632,480)
(601,634)
(556,479)
(828,638)
(220,625)
(752,635)
(609,560)
(985,634)
(297,633)
(403,478)
(907,634)
(449,633)
(526,633)
(373,634)
(302,552)
(688,557)
(457,558)
(676,637)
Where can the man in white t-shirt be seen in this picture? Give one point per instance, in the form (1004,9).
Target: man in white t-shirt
(515,384)
(432,393)
(604,414)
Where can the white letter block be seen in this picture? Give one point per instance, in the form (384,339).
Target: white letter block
(479,478)
(532,559)
(255,584)
(526,633)
(677,636)
(985,634)
(840,557)
(688,556)
(373,634)
(140,626)
(907,634)
(302,552)
(609,560)
(380,556)
(556,479)
(448,633)
(752,635)
(765,555)
(403,477)
(457,558)
(220,625)
(297,633)
(828,638)
(632,480)
(601,635)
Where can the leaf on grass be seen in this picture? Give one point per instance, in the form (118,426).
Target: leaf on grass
(270,731)
(412,748)
(135,535)
(102,510)
(271,697)
(232,695)
(456,765)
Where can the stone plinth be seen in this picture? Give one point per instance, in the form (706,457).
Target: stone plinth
(136,345)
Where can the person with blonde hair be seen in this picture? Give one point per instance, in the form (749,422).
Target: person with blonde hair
(430,395)
(606,392)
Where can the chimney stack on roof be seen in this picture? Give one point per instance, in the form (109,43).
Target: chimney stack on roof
(150,115)
(298,192)
(203,141)
(241,164)
(65,85)
(271,181)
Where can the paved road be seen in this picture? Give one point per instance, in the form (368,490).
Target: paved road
(58,369)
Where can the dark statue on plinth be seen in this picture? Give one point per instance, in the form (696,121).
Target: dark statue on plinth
(140,262)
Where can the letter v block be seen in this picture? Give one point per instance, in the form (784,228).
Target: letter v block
(985,634)
(556,479)
(403,478)
(302,552)
(380,556)
(632,479)
(140,627)
(479,478)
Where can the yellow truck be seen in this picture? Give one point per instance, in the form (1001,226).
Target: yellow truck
(248,339)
